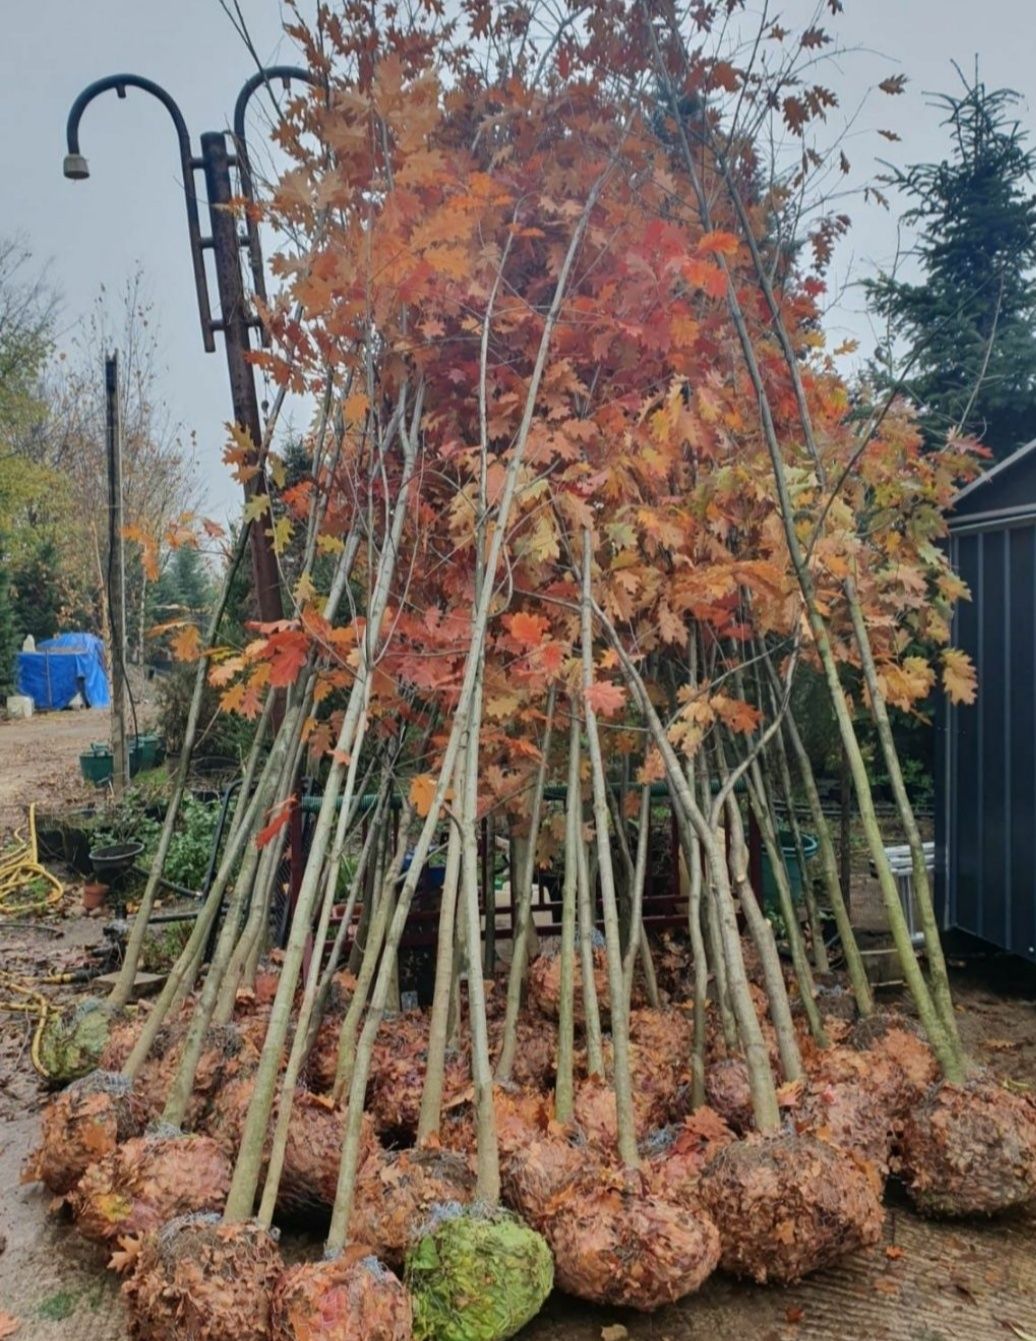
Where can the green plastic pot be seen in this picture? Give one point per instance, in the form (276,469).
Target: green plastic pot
(796,876)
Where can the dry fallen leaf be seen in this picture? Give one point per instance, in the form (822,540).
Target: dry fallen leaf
(9,1325)
(794,1314)
(893,1253)
(614,1333)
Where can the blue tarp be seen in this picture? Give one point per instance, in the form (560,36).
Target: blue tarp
(60,668)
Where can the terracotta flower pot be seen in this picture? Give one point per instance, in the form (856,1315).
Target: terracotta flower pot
(94,896)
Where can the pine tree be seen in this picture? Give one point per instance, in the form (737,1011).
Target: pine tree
(963,338)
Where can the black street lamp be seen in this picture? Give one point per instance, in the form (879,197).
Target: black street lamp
(235,320)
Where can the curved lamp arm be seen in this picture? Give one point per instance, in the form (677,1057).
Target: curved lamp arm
(77,169)
(261,78)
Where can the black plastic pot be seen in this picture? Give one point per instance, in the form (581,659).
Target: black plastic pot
(112,864)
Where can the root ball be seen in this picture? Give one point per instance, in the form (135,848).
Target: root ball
(349,1298)
(617,1245)
(81,1126)
(477,1275)
(395,1191)
(786,1205)
(970,1150)
(146,1182)
(200,1280)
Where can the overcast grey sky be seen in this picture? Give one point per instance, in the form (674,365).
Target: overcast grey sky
(131,210)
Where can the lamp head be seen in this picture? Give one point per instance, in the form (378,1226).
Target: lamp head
(76,167)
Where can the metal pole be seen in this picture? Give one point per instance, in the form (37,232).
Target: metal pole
(116,574)
(234,323)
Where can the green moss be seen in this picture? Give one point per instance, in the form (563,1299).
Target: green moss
(73,1041)
(477,1275)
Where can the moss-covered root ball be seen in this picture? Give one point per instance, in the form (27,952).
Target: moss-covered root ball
(82,1125)
(786,1205)
(970,1149)
(198,1279)
(73,1040)
(148,1181)
(621,1246)
(476,1274)
(352,1297)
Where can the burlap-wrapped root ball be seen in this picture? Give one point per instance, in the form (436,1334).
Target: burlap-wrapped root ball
(676,1156)
(543,982)
(351,1297)
(615,1244)
(82,1125)
(786,1205)
(397,1084)
(535,1053)
(537,1176)
(522,1116)
(852,1116)
(198,1279)
(897,1058)
(73,1040)
(477,1275)
(970,1149)
(396,1190)
(595,1112)
(309,1175)
(148,1181)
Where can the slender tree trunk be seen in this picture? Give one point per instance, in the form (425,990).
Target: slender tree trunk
(569,895)
(521,911)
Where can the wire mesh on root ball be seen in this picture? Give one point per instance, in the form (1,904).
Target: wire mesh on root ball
(851,1115)
(896,1058)
(614,1243)
(676,1156)
(477,1274)
(148,1181)
(729,1093)
(81,1126)
(396,1190)
(535,1053)
(226,1054)
(351,1297)
(198,1279)
(595,1113)
(73,1040)
(970,1149)
(786,1205)
(394,1094)
(535,1177)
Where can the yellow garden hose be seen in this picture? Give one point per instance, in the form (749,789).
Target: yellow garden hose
(19,868)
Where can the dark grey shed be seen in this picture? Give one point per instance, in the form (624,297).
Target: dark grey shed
(986,753)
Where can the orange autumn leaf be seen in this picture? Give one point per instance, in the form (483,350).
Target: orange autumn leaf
(958,676)
(186,645)
(280,815)
(606,698)
(422,793)
(530,630)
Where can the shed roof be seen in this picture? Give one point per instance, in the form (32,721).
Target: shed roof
(1002,493)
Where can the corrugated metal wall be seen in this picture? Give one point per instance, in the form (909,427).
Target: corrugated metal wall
(986,816)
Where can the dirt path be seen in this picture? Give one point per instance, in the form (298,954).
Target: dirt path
(39,760)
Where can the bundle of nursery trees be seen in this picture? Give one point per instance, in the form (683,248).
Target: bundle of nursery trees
(586,495)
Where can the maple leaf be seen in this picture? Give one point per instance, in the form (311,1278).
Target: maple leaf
(958,676)
(186,646)
(718,243)
(527,629)
(256,507)
(224,671)
(739,716)
(605,698)
(8,1325)
(280,533)
(148,549)
(287,652)
(422,793)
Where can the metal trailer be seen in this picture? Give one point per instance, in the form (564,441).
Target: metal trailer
(986,752)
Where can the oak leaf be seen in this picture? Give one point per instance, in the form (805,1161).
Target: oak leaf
(605,698)
(422,793)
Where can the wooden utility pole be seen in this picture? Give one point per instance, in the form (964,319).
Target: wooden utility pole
(116,575)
